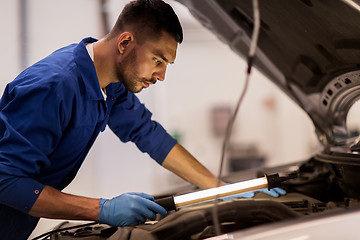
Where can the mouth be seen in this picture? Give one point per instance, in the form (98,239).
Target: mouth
(148,83)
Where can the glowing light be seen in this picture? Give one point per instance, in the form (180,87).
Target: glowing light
(223,191)
(352,4)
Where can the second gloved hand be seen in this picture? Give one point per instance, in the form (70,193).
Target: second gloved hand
(274,192)
(129,209)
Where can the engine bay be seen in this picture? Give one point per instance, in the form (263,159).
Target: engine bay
(316,191)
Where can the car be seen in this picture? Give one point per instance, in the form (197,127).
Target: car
(311,50)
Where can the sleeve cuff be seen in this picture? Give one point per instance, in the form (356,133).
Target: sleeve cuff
(21,193)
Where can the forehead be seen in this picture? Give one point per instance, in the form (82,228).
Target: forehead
(164,47)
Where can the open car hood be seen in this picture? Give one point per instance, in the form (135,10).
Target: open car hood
(310,49)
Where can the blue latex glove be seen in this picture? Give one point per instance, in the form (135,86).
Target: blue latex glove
(274,192)
(129,209)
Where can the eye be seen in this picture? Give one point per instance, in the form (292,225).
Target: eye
(157,61)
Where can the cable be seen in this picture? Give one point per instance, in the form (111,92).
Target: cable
(47,234)
(256,30)
(250,59)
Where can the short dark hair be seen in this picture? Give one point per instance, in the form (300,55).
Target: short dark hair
(148,19)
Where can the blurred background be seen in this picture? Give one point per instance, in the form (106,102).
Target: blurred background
(193,104)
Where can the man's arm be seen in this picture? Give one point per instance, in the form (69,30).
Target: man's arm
(183,164)
(52,203)
(126,209)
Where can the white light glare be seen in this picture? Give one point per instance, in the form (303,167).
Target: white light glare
(352,4)
(223,191)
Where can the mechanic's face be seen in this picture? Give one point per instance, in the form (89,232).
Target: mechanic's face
(144,64)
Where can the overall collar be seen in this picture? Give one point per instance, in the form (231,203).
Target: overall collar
(87,70)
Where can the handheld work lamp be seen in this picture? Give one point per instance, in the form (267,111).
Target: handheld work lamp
(174,202)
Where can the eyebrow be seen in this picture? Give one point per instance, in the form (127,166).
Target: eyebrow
(159,54)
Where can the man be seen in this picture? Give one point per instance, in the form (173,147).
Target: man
(53,111)
(51,114)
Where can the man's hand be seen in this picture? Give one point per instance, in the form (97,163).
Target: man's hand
(129,209)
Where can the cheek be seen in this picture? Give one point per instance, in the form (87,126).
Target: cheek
(145,69)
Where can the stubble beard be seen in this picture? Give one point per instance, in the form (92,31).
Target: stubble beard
(128,74)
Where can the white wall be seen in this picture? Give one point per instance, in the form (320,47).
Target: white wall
(9,41)
(206,73)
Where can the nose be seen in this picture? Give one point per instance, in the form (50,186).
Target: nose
(160,75)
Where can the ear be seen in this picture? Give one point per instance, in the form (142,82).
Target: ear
(124,41)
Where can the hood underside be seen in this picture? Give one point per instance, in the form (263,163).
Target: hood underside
(309,48)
